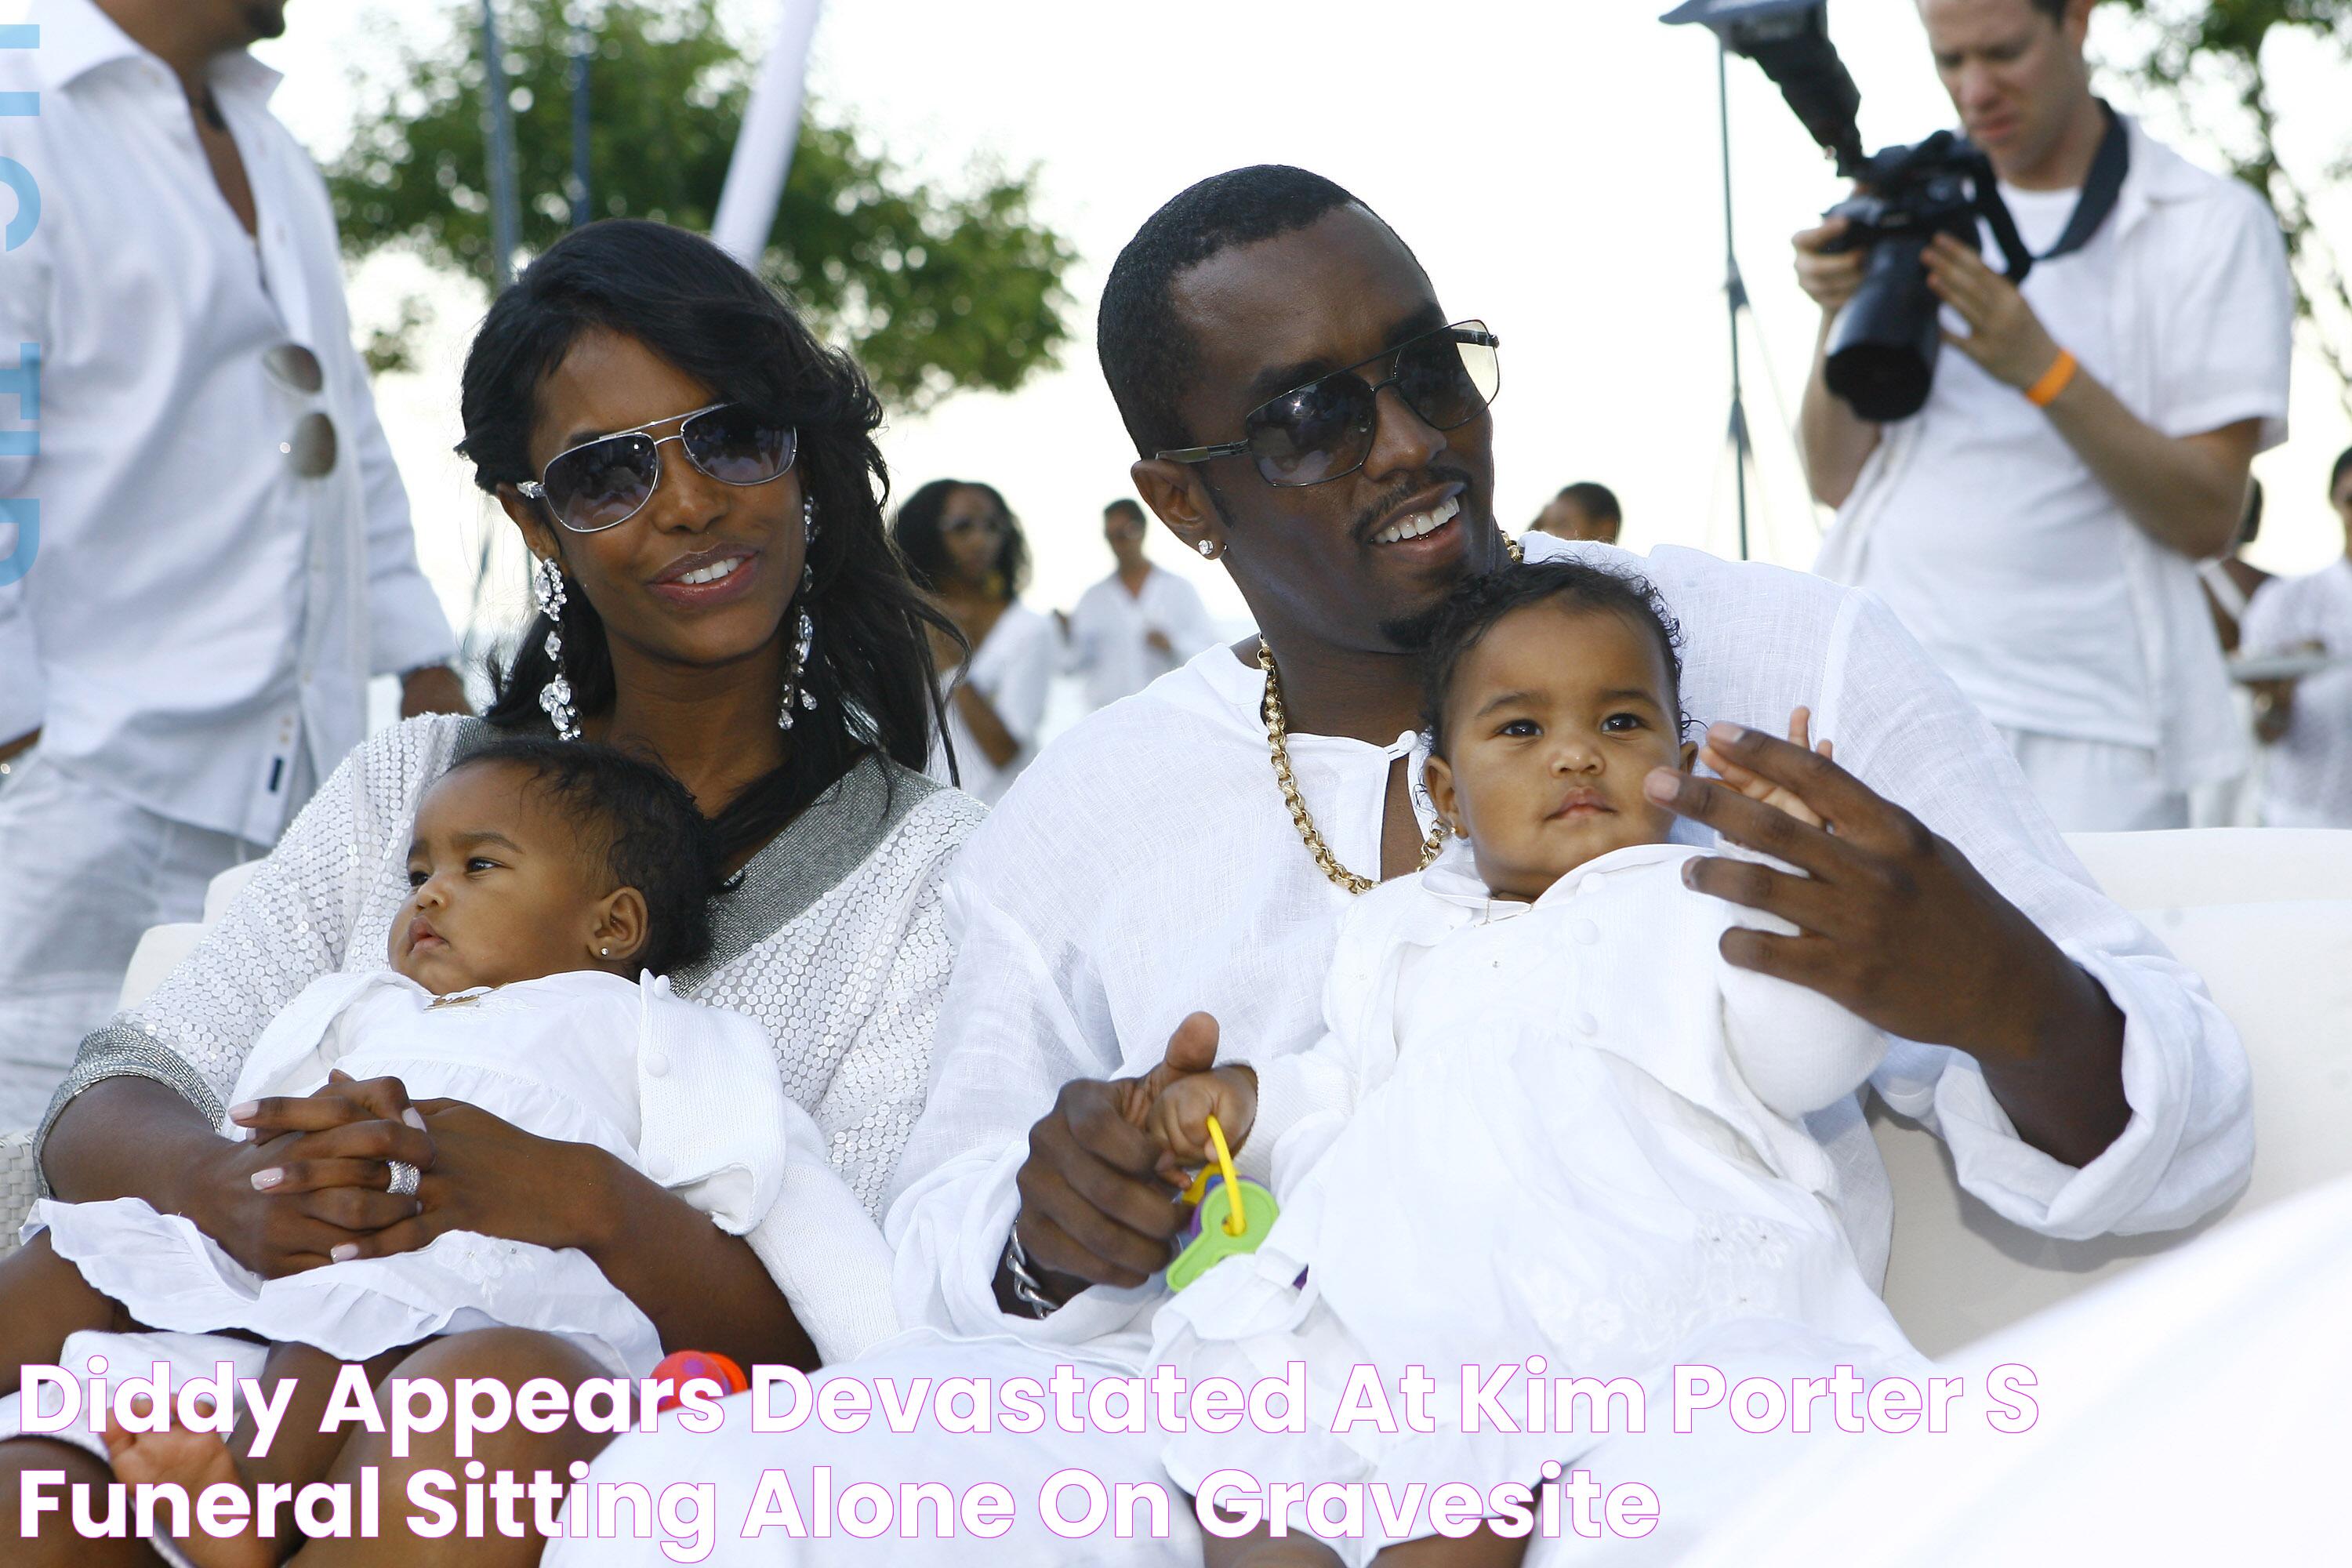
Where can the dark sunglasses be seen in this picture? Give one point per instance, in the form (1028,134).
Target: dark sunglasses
(603,483)
(1323,430)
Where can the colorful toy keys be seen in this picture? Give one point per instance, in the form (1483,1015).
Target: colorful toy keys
(1221,1228)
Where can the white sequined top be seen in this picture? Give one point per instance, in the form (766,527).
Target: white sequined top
(831,936)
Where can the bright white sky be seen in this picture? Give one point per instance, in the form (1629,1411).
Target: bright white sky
(1554,166)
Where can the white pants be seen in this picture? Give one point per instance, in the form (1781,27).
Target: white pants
(83,872)
(732,1460)
(2096,786)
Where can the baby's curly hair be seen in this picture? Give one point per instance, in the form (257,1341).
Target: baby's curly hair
(1471,612)
(640,823)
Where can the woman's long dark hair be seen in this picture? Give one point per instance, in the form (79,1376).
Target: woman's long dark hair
(923,545)
(693,305)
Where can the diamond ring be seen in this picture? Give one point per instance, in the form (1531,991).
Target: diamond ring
(403,1179)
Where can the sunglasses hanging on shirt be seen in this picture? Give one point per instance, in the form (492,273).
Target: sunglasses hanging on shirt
(309,447)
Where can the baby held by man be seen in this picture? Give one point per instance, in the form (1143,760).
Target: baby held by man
(1548,1124)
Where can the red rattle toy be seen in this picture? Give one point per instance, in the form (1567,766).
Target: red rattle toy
(682,1367)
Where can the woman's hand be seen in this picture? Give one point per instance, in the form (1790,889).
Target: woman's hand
(491,1177)
(313,1176)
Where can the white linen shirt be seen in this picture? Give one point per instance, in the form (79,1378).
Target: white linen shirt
(2307,776)
(1109,626)
(2004,556)
(197,616)
(1147,867)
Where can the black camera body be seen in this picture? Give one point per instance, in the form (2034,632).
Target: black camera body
(1882,355)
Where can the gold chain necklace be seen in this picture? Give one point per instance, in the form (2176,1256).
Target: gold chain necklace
(1277,742)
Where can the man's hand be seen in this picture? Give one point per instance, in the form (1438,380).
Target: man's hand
(435,689)
(1756,787)
(1827,278)
(1157,640)
(11,750)
(1897,927)
(1097,1193)
(2004,335)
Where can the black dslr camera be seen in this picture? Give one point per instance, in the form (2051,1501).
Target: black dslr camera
(1882,355)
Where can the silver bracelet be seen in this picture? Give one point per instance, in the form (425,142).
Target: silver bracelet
(1025,1287)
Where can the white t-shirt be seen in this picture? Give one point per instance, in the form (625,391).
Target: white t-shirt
(2308,781)
(1013,669)
(1110,628)
(1992,539)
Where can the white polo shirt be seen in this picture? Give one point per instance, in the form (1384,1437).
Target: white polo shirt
(198,621)
(1993,539)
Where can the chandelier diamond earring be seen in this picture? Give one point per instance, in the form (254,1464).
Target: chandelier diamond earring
(555,696)
(804,630)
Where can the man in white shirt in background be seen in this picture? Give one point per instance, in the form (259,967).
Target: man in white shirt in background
(2306,722)
(219,551)
(2086,441)
(1136,625)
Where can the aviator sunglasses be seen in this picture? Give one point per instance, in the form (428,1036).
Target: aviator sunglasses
(1323,430)
(603,483)
(309,446)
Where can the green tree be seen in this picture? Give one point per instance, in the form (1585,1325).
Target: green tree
(2214,53)
(935,288)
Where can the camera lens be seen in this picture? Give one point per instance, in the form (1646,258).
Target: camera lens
(1882,355)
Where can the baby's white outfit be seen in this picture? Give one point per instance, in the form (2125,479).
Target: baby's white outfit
(687,1094)
(1565,1129)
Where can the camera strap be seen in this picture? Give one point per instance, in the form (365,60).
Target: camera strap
(2100,190)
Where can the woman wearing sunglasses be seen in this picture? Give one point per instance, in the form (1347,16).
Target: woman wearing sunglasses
(963,544)
(697,480)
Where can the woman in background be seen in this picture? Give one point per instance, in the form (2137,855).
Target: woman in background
(964,547)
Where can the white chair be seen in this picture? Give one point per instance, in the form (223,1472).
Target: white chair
(2265,915)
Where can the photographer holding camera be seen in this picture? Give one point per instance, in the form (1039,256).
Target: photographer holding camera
(2037,523)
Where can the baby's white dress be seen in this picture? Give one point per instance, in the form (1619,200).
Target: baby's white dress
(686,1094)
(1566,1128)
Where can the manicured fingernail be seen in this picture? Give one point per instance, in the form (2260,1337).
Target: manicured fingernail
(1660,784)
(1726,734)
(344,1253)
(1690,873)
(240,1112)
(414,1117)
(265,1180)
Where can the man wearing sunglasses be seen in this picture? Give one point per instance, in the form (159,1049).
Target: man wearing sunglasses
(1166,882)
(213,551)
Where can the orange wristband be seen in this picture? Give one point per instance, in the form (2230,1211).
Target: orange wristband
(2054,380)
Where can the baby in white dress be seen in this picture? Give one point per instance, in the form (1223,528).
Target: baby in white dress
(1548,1118)
(556,886)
